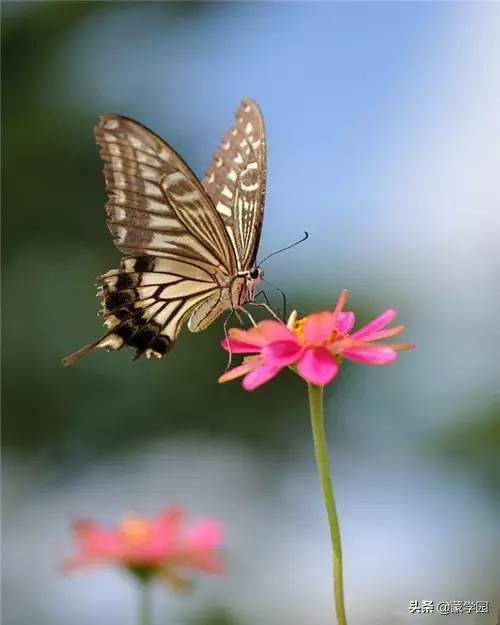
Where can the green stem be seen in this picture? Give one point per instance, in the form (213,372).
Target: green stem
(318,429)
(144,603)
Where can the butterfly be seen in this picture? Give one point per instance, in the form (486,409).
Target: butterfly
(190,247)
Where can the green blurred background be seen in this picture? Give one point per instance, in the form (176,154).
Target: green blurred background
(382,124)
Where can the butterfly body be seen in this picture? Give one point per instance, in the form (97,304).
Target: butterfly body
(189,247)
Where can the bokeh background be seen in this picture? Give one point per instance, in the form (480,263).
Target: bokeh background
(384,133)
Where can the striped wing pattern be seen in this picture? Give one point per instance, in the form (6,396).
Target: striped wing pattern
(236,181)
(145,301)
(156,204)
(182,255)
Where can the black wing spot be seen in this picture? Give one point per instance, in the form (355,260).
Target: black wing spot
(120,299)
(144,336)
(162,345)
(127,329)
(121,313)
(144,263)
(126,281)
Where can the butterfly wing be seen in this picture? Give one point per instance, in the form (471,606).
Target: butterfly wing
(236,181)
(156,204)
(181,257)
(145,301)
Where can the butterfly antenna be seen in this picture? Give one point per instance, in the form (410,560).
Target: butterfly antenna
(288,247)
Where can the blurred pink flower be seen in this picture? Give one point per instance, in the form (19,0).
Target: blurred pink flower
(160,546)
(314,345)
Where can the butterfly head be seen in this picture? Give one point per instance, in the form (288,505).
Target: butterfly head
(255,274)
(253,277)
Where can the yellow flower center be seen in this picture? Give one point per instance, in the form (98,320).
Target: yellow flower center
(336,335)
(297,326)
(134,529)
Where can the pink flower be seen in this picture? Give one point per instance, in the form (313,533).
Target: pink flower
(160,546)
(314,346)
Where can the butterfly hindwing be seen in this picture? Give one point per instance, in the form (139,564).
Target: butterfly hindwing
(146,300)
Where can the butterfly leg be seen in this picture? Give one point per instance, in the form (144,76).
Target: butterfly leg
(252,320)
(238,316)
(266,305)
(226,322)
(283,296)
(264,295)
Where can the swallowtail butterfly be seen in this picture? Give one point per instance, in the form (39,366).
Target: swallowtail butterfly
(190,247)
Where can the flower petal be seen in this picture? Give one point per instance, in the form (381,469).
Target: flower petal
(263,333)
(401,347)
(95,544)
(339,306)
(206,534)
(271,330)
(371,355)
(345,321)
(318,327)
(260,376)
(236,372)
(245,336)
(376,324)
(239,347)
(169,520)
(292,319)
(281,353)
(317,366)
(384,334)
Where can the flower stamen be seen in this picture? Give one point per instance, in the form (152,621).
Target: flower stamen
(134,529)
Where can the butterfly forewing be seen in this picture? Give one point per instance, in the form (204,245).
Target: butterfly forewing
(185,243)
(156,204)
(236,181)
